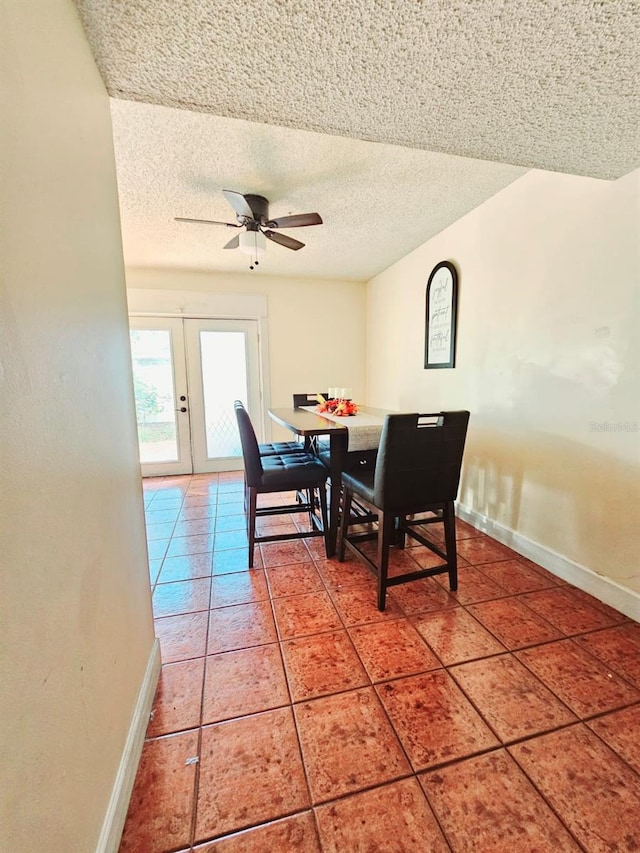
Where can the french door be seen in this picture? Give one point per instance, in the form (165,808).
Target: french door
(187,374)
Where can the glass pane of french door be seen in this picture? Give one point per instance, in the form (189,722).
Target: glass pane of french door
(221,388)
(223,366)
(160,386)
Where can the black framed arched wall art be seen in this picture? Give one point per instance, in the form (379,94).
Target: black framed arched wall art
(442,308)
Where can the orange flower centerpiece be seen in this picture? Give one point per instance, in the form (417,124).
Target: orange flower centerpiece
(341,408)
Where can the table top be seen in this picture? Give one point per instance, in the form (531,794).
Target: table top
(303,422)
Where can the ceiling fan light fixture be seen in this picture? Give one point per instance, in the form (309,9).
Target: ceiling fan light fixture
(252,243)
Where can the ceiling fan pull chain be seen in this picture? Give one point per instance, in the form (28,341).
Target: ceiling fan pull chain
(255,240)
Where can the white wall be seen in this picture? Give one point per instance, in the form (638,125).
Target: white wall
(75,610)
(316,327)
(548,346)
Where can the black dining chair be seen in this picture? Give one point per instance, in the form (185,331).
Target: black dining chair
(315,443)
(273,448)
(308,399)
(417,471)
(301,473)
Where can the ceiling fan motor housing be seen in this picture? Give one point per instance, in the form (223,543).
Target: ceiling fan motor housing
(259,207)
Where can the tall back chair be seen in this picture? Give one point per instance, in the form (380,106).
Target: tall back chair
(301,473)
(417,471)
(307,399)
(273,448)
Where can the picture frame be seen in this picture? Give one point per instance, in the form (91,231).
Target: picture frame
(441,317)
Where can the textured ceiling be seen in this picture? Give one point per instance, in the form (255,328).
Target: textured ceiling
(391,118)
(550,84)
(378,202)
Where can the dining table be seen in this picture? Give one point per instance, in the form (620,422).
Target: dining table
(352,444)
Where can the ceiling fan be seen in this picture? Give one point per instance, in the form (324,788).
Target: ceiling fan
(252,214)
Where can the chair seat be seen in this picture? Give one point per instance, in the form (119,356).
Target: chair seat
(276,448)
(296,471)
(362,484)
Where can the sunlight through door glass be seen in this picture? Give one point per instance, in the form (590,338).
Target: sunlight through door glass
(155,396)
(224,379)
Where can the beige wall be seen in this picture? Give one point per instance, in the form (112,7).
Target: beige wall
(548,345)
(75,612)
(316,326)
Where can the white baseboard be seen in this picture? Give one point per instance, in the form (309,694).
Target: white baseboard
(604,589)
(111,833)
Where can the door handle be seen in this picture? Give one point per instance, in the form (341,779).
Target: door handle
(182,409)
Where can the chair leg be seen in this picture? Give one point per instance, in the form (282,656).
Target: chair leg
(449,517)
(386,536)
(311,497)
(322,493)
(344,523)
(251,522)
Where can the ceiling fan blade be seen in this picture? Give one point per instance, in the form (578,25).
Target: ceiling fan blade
(239,203)
(233,243)
(206,221)
(284,240)
(296,221)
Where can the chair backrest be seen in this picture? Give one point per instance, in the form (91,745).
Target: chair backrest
(250,450)
(307,399)
(419,459)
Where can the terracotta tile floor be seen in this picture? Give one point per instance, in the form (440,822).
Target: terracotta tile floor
(292,716)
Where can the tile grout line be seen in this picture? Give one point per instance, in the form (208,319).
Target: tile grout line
(196,788)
